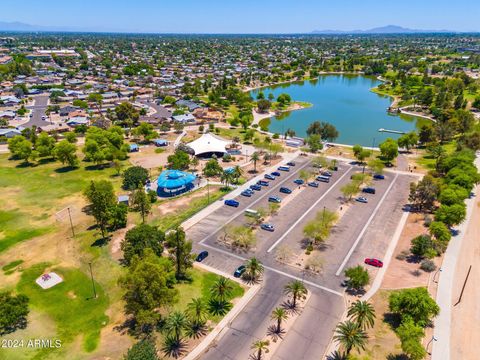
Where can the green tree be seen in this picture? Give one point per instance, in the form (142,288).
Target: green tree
(175,325)
(422,246)
(297,290)
(44,144)
(197,311)
(253,270)
(319,228)
(408,140)
(451,215)
(222,289)
(376,165)
(350,189)
(255,158)
(362,313)
(126,113)
(351,336)
(13,312)
(21,148)
(179,160)
(141,203)
(314,142)
(261,347)
(424,193)
(389,149)
(279,315)
(140,238)
(143,350)
(101,198)
(148,286)
(212,168)
(414,303)
(66,153)
(180,251)
(439,231)
(358,277)
(134,177)
(118,216)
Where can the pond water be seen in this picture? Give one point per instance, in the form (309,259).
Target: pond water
(344,101)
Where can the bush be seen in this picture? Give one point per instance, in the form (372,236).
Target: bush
(403,255)
(275,136)
(428,265)
(152,195)
(421,245)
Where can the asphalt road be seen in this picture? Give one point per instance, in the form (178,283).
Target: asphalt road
(38,110)
(365,230)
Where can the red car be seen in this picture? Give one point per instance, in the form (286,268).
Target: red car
(374,262)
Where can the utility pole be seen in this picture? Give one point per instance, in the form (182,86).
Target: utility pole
(93,282)
(71,222)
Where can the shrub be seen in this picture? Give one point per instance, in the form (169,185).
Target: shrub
(134,177)
(403,255)
(428,265)
(152,195)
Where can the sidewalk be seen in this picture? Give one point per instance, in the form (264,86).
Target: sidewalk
(446,283)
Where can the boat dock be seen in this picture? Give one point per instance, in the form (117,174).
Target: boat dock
(391,131)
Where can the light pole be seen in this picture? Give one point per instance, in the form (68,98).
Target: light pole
(428,344)
(208,191)
(434,275)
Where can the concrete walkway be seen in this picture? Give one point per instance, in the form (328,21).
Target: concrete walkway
(446,283)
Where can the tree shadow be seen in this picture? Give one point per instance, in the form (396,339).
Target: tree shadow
(355,292)
(275,333)
(25,164)
(46,160)
(196,330)
(397,357)
(218,307)
(65,169)
(21,324)
(96,167)
(393,320)
(290,307)
(101,241)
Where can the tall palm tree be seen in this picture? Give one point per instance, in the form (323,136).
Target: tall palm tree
(279,314)
(197,311)
(226,177)
(350,336)
(362,313)
(253,269)
(255,157)
(175,324)
(297,290)
(260,346)
(221,289)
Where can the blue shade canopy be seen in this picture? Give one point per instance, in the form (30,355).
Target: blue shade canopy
(174,179)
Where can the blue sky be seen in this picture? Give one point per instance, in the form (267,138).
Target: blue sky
(243,16)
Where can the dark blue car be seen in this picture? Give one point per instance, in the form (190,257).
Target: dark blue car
(240,270)
(247,193)
(298,181)
(232,202)
(276,173)
(379,176)
(201,256)
(255,187)
(285,190)
(263,183)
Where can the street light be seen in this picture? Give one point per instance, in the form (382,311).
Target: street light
(432,339)
(439,270)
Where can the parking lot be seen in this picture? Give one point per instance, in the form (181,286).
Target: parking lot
(364,230)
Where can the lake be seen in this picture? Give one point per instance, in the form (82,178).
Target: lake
(344,101)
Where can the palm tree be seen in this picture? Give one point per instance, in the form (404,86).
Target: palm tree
(362,313)
(297,290)
(255,157)
(221,289)
(226,177)
(176,323)
(237,172)
(253,269)
(279,314)
(197,311)
(350,335)
(260,347)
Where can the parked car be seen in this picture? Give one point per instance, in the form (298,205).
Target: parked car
(255,187)
(232,202)
(240,270)
(247,193)
(361,199)
(283,168)
(313,184)
(298,181)
(201,256)
(263,183)
(326,173)
(291,163)
(321,178)
(379,176)
(374,262)
(276,173)
(285,190)
(267,227)
(274,199)
(369,190)
(269,177)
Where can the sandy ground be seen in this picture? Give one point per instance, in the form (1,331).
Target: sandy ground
(465,332)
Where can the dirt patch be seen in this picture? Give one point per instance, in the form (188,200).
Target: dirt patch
(72,295)
(403,273)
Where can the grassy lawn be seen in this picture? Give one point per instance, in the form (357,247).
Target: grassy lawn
(65,301)
(200,288)
(426,161)
(175,218)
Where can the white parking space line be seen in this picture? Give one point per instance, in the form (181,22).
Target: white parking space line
(306,212)
(352,249)
(262,196)
(276,271)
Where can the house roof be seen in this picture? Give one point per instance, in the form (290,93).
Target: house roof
(174,179)
(209,143)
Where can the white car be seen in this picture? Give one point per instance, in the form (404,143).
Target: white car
(362,199)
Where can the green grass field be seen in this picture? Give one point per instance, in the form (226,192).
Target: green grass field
(70,304)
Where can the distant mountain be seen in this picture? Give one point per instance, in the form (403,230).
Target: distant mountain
(22,27)
(389,29)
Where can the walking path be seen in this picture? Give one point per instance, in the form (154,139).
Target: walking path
(448,280)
